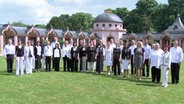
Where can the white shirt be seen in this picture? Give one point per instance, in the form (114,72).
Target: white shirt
(66,51)
(9,49)
(166,59)
(112,45)
(121,47)
(56,53)
(147,49)
(132,47)
(28,49)
(38,50)
(156,56)
(48,51)
(177,54)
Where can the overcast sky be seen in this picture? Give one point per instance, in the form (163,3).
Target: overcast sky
(41,11)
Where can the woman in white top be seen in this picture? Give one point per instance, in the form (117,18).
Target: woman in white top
(108,57)
(29,56)
(56,56)
(155,63)
(66,56)
(48,56)
(165,65)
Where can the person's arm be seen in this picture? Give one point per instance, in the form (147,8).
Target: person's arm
(169,60)
(181,56)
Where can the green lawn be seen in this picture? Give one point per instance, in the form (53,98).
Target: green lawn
(84,88)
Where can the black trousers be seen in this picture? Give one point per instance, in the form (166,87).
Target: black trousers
(53,63)
(116,64)
(38,62)
(146,63)
(155,74)
(66,63)
(74,65)
(175,71)
(9,60)
(80,66)
(56,64)
(132,65)
(48,63)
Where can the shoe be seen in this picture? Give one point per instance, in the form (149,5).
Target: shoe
(165,86)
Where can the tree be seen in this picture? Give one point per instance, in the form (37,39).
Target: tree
(146,7)
(162,17)
(55,22)
(40,25)
(19,23)
(81,21)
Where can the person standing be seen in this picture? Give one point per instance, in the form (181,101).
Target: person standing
(132,47)
(176,60)
(116,59)
(139,55)
(147,49)
(19,55)
(33,59)
(91,52)
(155,60)
(84,56)
(74,57)
(37,54)
(43,44)
(9,52)
(100,53)
(165,65)
(48,56)
(126,55)
(57,56)
(121,46)
(29,55)
(65,55)
(108,57)
(81,42)
(53,44)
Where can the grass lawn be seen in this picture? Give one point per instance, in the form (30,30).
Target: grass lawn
(85,88)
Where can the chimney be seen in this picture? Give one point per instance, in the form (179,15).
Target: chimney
(108,11)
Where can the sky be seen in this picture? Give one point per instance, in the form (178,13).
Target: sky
(41,11)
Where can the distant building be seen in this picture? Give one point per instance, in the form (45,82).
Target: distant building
(106,26)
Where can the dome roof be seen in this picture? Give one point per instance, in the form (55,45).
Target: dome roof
(108,17)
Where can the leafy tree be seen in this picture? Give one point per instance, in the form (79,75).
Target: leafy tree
(81,21)
(40,25)
(19,23)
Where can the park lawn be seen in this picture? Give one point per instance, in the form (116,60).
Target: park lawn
(84,88)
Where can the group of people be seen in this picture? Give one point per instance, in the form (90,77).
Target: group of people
(118,57)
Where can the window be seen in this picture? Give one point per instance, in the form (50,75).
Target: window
(110,25)
(103,25)
(116,25)
(96,25)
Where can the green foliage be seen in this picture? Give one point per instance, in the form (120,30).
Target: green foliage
(19,23)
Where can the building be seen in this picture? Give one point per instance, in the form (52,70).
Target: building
(106,26)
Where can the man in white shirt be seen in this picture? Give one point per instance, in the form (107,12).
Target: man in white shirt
(9,52)
(55,40)
(147,49)
(132,47)
(176,60)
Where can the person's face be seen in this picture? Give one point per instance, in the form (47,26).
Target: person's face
(156,47)
(19,42)
(55,39)
(165,49)
(10,41)
(91,43)
(133,42)
(57,46)
(175,43)
(38,43)
(75,44)
(153,46)
(146,42)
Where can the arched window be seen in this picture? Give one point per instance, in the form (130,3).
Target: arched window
(96,25)
(116,25)
(110,25)
(103,25)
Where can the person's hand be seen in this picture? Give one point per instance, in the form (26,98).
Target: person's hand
(168,68)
